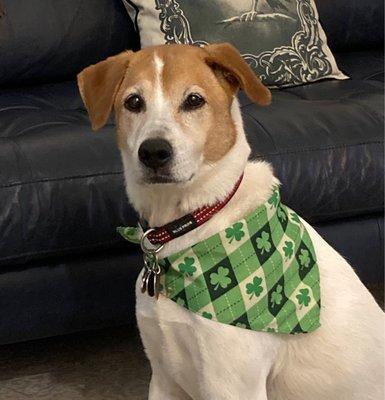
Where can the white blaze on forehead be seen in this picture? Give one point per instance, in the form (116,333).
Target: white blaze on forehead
(158,87)
(161,117)
(159,64)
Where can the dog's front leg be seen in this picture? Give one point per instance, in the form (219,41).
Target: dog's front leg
(163,388)
(235,387)
(234,363)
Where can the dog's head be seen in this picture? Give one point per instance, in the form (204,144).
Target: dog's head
(173,106)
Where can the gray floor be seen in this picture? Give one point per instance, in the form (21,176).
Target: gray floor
(102,365)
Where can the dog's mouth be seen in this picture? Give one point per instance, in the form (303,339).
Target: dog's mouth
(156,179)
(162,178)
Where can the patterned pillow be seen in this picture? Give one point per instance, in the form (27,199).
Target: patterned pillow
(282,40)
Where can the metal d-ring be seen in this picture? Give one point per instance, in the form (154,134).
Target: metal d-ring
(145,249)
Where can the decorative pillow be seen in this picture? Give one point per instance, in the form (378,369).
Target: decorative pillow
(282,40)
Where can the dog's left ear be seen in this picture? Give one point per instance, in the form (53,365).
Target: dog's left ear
(236,71)
(99,84)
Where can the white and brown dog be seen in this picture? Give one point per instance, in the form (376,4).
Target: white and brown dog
(183,146)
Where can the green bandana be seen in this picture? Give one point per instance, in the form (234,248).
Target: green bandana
(260,273)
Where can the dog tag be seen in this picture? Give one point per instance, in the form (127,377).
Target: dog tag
(152,284)
(143,286)
(156,285)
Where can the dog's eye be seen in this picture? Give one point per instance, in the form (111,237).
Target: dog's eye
(193,101)
(134,103)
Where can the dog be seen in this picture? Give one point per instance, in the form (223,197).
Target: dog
(183,146)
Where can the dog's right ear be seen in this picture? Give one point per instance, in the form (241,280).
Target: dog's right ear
(99,84)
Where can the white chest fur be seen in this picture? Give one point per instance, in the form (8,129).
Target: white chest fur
(194,358)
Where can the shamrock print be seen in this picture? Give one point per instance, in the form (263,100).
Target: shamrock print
(235,232)
(271,330)
(220,278)
(288,249)
(263,243)
(303,298)
(274,199)
(295,217)
(207,315)
(254,288)
(187,267)
(304,258)
(276,296)
(281,214)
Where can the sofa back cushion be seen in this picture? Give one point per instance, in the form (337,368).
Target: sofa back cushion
(352,24)
(51,40)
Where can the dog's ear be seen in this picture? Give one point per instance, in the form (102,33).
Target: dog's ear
(226,58)
(99,84)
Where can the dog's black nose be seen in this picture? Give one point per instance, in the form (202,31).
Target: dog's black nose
(155,153)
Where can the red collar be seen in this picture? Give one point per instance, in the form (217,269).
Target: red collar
(181,226)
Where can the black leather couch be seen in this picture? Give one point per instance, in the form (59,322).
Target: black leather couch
(63,268)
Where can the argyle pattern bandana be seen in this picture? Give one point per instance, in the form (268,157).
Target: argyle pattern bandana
(260,273)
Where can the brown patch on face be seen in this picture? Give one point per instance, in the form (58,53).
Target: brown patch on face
(141,68)
(217,70)
(184,68)
(220,140)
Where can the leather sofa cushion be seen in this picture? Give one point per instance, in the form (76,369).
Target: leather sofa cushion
(325,141)
(62,190)
(352,24)
(45,40)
